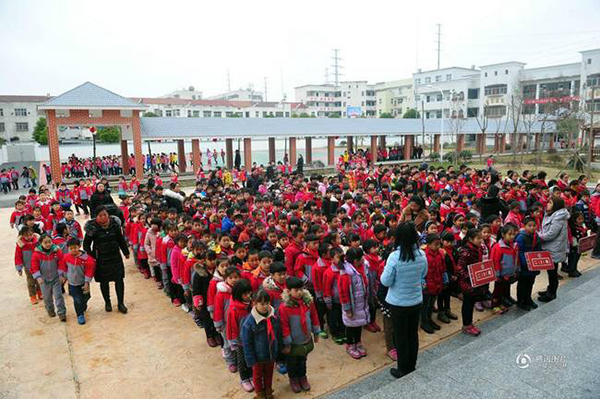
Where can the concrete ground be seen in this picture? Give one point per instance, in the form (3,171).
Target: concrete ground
(153,351)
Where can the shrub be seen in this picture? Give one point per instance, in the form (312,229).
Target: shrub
(466,155)
(434,156)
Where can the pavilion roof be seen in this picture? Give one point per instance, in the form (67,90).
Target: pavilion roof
(90,96)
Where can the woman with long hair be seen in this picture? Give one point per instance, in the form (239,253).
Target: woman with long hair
(404,275)
(554,240)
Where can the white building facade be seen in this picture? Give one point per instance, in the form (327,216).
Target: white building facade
(348,99)
(18,116)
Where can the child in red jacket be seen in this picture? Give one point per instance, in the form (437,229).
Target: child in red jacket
(44,268)
(78,269)
(436,267)
(26,244)
(505,257)
(331,296)
(221,309)
(299,326)
(318,270)
(239,308)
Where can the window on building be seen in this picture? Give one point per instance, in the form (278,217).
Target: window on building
(168,113)
(473,94)
(427,115)
(379,101)
(126,113)
(228,114)
(217,114)
(439,97)
(362,93)
(495,73)
(176,112)
(20,111)
(62,113)
(95,113)
(279,114)
(418,97)
(206,114)
(362,103)
(22,126)
(287,114)
(428,99)
(189,113)
(418,81)
(529,91)
(528,109)
(589,61)
(495,90)
(196,114)
(472,112)
(427,80)
(449,76)
(1,112)
(438,78)
(506,71)
(495,111)
(485,74)
(438,114)
(257,114)
(1,127)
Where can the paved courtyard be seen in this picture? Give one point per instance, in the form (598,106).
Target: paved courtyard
(153,351)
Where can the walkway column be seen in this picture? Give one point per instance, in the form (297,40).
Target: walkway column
(436,143)
(479,139)
(538,137)
(247,154)
(408,147)
(308,146)
(550,146)
(382,144)
(460,142)
(350,143)
(293,151)
(229,153)
(330,151)
(125,157)
(181,156)
(53,147)
(502,144)
(271,149)
(374,148)
(137,146)
(196,155)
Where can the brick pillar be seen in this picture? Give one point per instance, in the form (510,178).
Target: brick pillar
(374,148)
(536,145)
(308,145)
(502,143)
(436,143)
(137,146)
(125,157)
(550,146)
(382,144)
(293,154)
(229,153)
(181,156)
(196,155)
(460,142)
(271,149)
(350,143)
(478,140)
(330,151)
(248,153)
(53,146)
(408,146)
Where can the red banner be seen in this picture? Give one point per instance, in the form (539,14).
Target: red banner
(482,273)
(539,260)
(564,99)
(587,243)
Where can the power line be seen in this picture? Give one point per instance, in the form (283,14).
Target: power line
(336,66)
(439,34)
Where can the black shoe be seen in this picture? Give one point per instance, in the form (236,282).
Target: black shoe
(451,315)
(122,308)
(51,313)
(108,307)
(511,299)
(443,317)
(532,304)
(434,325)
(560,277)
(427,328)
(524,306)
(506,302)
(574,274)
(396,373)
(546,298)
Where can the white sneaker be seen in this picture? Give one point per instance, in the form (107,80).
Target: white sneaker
(185,307)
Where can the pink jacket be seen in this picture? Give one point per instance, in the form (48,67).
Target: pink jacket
(175,264)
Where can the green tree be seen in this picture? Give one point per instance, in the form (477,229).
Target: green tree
(110,134)
(386,115)
(411,113)
(40,131)
(334,115)
(149,114)
(304,115)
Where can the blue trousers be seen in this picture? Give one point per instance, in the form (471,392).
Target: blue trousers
(80,299)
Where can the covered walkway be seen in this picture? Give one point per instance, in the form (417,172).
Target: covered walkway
(90,105)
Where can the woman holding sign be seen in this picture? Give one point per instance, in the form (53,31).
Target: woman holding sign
(404,274)
(554,240)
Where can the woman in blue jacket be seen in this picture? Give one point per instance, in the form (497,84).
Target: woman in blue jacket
(404,275)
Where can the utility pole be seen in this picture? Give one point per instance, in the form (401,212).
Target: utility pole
(439,35)
(228,81)
(591,136)
(336,66)
(265,99)
(326,75)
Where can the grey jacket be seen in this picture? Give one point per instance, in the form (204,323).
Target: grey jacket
(554,235)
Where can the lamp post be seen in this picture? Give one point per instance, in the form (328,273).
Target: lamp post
(93,131)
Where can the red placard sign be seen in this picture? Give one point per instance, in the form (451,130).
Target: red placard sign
(587,243)
(539,260)
(482,273)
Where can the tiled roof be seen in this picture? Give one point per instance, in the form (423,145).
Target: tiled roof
(213,103)
(91,96)
(173,128)
(23,99)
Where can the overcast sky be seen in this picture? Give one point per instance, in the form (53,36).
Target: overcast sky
(147,48)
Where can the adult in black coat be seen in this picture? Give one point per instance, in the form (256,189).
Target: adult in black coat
(238,160)
(491,204)
(104,241)
(100,197)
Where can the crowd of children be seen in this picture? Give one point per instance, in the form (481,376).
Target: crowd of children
(268,264)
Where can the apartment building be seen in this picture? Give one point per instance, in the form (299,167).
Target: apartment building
(18,115)
(394,97)
(239,95)
(348,99)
